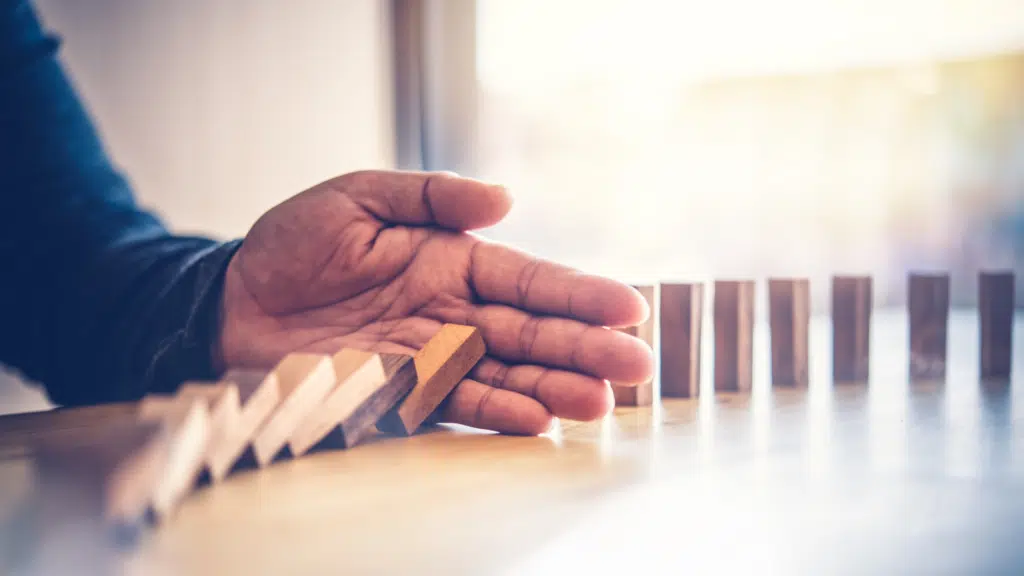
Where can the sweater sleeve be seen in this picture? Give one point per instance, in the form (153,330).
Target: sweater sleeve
(98,300)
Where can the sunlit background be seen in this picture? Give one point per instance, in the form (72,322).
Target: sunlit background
(692,140)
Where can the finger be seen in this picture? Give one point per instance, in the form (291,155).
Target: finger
(565,394)
(422,198)
(481,406)
(520,338)
(504,275)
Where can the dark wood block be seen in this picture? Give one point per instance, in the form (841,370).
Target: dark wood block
(928,307)
(851,328)
(440,365)
(369,384)
(789,316)
(734,335)
(681,307)
(641,394)
(996,294)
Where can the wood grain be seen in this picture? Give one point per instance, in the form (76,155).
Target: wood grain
(188,427)
(641,394)
(304,380)
(851,328)
(789,318)
(258,396)
(440,365)
(996,295)
(734,332)
(928,310)
(681,313)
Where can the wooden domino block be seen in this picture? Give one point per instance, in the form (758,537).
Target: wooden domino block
(996,294)
(789,315)
(851,328)
(223,401)
(109,471)
(680,307)
(258,395)
(928,306)
(369,384)
(641,394)
(734,335)
(188,426)
(304,380)
(440,365)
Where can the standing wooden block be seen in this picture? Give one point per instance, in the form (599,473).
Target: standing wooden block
(851,328)
(440,365)
(734,335)
(928,305)
(641,394)
(681,307)
(789,316)
(258,395)
(996,294)
(304,380)
(188,423)
(111,470)
(369,384)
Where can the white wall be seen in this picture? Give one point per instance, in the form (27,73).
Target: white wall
(219,109)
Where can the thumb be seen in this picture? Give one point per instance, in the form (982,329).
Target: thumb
(426,198)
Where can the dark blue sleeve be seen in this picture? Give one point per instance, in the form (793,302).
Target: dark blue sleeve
(98,301)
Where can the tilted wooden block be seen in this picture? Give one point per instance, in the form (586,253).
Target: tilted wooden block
(111,471)
(681,311)
(223,401)
(928,305)
(734,334)
(996,295)
(789,316)
(641,394)
(440,365)
(188,423)
(369,384)
(258,395)
(851,328)
(304,379)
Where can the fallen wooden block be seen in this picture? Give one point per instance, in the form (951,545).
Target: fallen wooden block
(734,335)
(681,307)
(641,394)
(188,427)
(928,306)
(440,365)
(223,401)
(851,328)
(368,385)
(108,472)
(789,316)
(304,380)
(258,395)
(996,295)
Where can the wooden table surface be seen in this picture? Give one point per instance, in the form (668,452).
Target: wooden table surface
(886,478)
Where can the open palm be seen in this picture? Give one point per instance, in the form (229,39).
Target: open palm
(379,260)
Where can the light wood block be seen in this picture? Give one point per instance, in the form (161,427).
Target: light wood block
(734,335)
(789,317)
(259,394)
(440,365)
(851,328)
(369,384)
(641,394)
(681,312)
(996,295)
(304,380)
(112,470)
(928,306)
(188,423)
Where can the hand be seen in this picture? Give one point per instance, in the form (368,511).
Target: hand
(379,260)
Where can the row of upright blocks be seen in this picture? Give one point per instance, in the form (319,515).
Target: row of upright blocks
(681,307)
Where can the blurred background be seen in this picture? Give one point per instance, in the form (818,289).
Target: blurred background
(646,139)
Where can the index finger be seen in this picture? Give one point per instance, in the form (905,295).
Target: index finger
(504,275)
